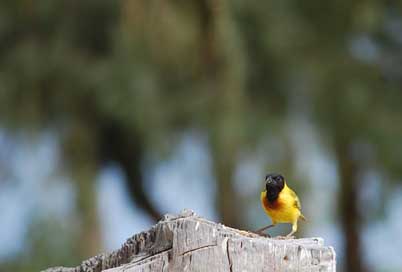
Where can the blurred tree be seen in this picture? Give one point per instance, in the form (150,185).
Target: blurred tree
(117,80)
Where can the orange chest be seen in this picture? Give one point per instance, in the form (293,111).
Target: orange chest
(282,210)
(271,206)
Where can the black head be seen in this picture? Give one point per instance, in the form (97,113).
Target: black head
(274,185)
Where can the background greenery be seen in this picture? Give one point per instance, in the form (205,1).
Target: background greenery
(264,84)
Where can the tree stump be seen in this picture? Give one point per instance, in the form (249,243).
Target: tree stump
(186,242)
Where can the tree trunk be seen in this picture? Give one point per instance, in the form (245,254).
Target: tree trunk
(80,155)
(124,146)
(348,199)
(189,243)
(223,69)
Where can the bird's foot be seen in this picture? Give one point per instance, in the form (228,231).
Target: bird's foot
(247,233)
(266,235)
(284,237)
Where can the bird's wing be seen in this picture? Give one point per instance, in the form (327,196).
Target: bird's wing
(297,205)
(296,200)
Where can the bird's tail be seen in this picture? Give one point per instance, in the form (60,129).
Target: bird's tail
(302,217)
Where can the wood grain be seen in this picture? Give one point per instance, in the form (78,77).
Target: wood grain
(186,242)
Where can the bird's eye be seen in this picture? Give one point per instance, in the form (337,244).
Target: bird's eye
(279,178)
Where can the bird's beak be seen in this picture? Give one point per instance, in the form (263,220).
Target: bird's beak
(269,180)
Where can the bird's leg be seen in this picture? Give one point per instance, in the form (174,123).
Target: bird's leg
(260,231)
(294,229)
(290,235)
(264,228)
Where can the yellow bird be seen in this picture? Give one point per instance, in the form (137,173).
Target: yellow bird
(280,203)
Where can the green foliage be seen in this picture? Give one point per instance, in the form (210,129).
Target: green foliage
(140,72)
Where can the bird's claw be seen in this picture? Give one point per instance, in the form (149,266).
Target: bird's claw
(266,235)
(284,237)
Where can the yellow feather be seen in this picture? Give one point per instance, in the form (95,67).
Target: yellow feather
(286,209)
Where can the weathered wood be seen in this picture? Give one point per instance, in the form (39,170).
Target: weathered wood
(187,242)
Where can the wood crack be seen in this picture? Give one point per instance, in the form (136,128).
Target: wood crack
(198,248)
(149,256)
(228,255)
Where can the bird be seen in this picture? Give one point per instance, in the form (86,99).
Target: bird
(280,203)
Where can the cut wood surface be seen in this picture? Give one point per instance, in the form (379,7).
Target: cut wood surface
(186,242)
